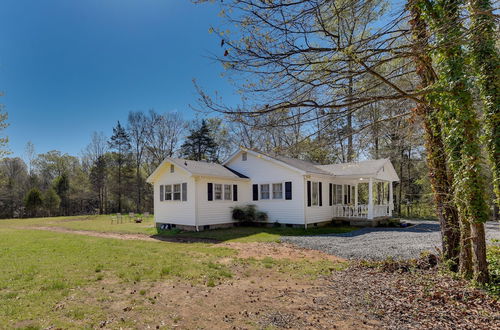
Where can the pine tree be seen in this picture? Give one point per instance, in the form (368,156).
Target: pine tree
(200,145)
(120,143)
(51,202)
(61,186)
(33,201)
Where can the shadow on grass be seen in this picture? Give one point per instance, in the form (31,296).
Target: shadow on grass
(250,233)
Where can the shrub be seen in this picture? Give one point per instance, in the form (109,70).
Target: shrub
(248,214)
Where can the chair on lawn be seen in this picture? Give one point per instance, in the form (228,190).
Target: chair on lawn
(131,216)
(119,217)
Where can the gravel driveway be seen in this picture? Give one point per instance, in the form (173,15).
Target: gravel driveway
(380,243)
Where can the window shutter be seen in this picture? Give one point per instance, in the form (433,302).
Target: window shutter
(330,194)
(320,194)
(210,191)
(255,191)
(184,191)
(235,192)
(308,193)
(162,195)
(288,190)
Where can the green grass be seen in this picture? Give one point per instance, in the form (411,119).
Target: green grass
(41,268)
(258,234)
(101,223)
(237,234)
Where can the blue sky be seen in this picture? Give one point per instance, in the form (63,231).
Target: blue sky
(71,67)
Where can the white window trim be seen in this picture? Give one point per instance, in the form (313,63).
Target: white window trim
(171,186)
(221,192)
(270,183)
(230,191)
(317,193)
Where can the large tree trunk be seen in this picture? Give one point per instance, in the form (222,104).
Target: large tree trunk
(479,255)
(486,61)
(440,180)
(459,124)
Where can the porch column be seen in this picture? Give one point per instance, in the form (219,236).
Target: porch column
(356,200)
(391,201)
(370,199)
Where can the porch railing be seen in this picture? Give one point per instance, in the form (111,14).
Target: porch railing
(360,211)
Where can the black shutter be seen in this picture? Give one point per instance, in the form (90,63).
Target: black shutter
(308,193)
(330,194)
(349,194)
(184,191)
(162,195)
(288,190)
(210,191)
(320,194)
(255,191)
(235,192)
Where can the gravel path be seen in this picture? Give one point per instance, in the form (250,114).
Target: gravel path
(380,243)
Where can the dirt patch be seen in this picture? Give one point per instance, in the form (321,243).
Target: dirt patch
(278,251)
(262,299)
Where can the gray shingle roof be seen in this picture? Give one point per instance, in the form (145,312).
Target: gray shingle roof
(206,169)
(300,164)
(366,167)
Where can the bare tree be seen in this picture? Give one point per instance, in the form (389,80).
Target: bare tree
(137,129)
(163,134)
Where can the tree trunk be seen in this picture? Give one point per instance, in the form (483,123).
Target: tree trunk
(486,61)
(465,267)
(459,122)
(439,176)
(479,256)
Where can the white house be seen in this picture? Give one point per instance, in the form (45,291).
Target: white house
(200,195)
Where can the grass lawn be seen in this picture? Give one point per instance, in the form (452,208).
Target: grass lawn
(258,234)
(43,270)
(103,223)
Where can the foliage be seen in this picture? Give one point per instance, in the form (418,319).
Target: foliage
(61,186)
(200,145)
(493,255)
(3,140)
(248,214)
(33,201)
(51,202)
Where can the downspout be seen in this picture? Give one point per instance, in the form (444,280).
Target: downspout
(304,200)
(196,202)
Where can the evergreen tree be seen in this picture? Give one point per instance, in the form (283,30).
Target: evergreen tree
(61,186)
(33,201)
(51,202)
(120,143)
(200,145)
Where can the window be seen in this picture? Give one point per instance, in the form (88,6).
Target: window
(168,192)
(277,190)
(315,193)
(264,191)
(244,156)
(227,192)
(338,194)
(177,192)
(171,168)
(217,192)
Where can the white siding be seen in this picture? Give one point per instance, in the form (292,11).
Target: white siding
(176,212)
(319,213)
(261,171)
(219,211)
